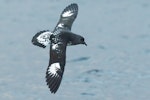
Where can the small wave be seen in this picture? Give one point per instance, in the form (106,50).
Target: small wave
(80,59)
(90,94)
(90,75)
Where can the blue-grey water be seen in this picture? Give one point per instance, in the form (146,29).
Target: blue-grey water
(114,66)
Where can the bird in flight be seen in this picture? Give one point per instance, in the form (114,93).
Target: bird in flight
(59,39)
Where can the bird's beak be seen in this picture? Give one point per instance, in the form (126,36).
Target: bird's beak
(85,43)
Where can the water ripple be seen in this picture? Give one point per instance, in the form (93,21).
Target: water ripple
(79,59)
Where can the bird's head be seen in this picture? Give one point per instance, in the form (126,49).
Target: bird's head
(82,41)
(77,39)
(73,39)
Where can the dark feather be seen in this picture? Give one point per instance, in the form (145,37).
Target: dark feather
(57,55)
(66,21)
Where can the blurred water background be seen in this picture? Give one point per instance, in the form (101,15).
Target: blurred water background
(114,66)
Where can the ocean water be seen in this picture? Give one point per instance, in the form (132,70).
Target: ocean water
(114,66)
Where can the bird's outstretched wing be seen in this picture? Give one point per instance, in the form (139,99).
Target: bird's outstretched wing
(56,65)
(42,38)
(69,14)
(67,17)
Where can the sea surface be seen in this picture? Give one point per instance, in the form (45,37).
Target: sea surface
(114,66)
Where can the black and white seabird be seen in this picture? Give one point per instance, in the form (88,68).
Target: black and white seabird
(59,39)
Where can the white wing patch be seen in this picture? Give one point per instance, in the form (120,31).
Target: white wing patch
(53,69)
(60,25)
(67,14)
(44,38)
(55,46)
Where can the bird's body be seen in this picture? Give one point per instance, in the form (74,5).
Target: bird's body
(59,39)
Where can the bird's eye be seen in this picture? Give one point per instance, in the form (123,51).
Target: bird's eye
(82,39)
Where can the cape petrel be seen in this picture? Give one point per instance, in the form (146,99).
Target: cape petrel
(58,39)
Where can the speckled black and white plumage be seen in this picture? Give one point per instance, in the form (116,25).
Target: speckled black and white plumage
(59,39)
(67,17)
(42,38)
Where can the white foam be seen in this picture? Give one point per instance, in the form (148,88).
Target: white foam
(53,69)
(67,14)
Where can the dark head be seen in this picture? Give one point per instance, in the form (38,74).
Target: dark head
(73,39)
(77,39)
(82,41)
